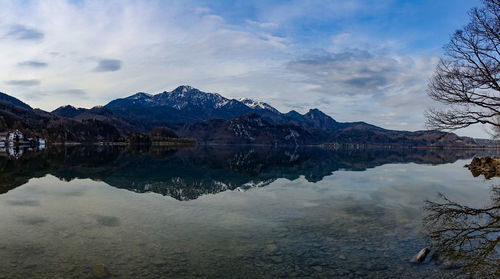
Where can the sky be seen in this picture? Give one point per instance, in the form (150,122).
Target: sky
(356,60)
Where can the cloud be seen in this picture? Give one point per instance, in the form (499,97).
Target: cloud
(23,202)
(23,82)
(32,220)
(65,94)
(72,92)
(23,33)
(108,65)
(355,72)
(201,10)
(264,25)
(32,64)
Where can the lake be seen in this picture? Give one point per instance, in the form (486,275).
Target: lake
(246,212)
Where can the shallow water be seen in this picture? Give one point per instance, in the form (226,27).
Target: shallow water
(228,212)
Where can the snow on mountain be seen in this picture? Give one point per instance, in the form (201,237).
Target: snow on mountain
(140,98)
(186,96)
(257,105)
(186,104)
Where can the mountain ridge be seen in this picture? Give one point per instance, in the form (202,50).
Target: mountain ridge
(9,99)
(212,118)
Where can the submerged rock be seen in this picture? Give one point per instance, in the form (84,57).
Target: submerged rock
(445,262)
(100,271)
(317,268)
(450,264)
(159,263)
(277,259)
(488,166)
(272,247)
(376,267)
(420,256)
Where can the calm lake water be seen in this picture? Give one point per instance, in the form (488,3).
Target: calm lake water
(251,212)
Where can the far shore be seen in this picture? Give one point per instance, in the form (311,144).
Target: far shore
(327,145)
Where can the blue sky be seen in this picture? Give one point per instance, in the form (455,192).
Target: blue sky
(422,24)
(355,60)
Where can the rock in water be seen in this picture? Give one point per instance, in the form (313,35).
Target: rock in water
(488,166)
(100,271)
(420,257)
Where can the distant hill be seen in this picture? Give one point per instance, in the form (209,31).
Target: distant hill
(101,114)
(247,129)
(15,114)
(9,99)
(210,118)
(69,111)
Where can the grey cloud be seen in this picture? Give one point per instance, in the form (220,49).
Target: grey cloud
(107,221)
(23,203)
(108,65)
(74,92)
(23,33)
(327,57)
(32,64)
(367,82)
(32,220)
(352,72)
(23,82)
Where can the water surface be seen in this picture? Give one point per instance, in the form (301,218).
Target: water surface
(236,212)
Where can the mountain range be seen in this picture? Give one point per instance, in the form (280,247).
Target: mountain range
(208,118)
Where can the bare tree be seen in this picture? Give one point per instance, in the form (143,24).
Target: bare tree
(467,77)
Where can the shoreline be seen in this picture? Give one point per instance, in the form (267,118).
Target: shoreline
(329,146)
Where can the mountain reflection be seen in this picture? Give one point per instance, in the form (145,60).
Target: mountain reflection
(187,174)
(466,237)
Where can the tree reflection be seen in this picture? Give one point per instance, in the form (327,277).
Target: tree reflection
(188,173)
(466,237)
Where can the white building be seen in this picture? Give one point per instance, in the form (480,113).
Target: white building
(15,135)
(41,144)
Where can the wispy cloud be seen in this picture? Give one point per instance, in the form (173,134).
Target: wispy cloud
(70,92)
(108,65)
(32,64)
(358,72)
(21,32)
(23,82)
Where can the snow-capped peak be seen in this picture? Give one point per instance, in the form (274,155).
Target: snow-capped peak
(183,89)
(256,105)
(186,96)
